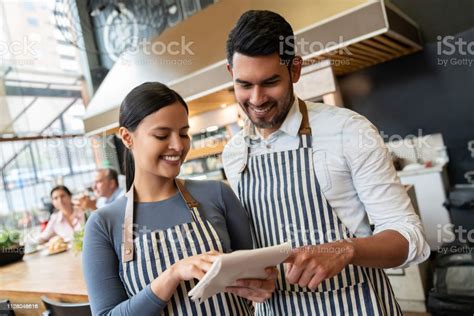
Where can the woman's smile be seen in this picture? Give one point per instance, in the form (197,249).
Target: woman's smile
(174,160)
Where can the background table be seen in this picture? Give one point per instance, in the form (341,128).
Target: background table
(59,277)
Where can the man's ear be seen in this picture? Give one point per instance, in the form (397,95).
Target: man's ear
(229,69)
(126,137)
(295,70)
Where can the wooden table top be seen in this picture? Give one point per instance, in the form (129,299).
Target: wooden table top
(36,273)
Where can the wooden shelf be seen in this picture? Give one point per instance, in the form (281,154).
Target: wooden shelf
(213,149)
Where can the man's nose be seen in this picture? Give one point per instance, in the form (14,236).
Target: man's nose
(257,97)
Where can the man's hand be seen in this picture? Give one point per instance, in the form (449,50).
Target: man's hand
(256,290)
(85,203)
(310,265)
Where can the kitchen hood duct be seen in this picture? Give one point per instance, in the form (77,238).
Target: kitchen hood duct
(351,34)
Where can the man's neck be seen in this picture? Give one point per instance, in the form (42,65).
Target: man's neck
(111,193)
(266,132)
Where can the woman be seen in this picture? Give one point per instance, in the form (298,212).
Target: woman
(144,252)
(65,221)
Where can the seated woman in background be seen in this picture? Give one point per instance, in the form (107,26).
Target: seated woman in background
(145,251)
(65,221)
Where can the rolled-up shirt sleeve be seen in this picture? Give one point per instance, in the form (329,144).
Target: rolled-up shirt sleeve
(379,189)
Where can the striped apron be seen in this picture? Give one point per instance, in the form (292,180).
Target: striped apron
(158,250)
(283,198)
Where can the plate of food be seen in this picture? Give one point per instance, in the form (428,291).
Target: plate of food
(56,245)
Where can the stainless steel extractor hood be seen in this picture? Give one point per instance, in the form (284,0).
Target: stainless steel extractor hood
(353,34)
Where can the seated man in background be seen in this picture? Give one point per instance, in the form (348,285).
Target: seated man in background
(106,189)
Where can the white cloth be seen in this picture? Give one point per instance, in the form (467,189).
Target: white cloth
(354,169)
(241,264)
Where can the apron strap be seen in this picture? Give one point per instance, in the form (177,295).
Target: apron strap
(190,201)
(245,158)
(127,230)
(305,128)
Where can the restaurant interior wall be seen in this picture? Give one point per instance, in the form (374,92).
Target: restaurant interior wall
(417,94)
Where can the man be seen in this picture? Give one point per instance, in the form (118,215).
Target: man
(314,174)
(106,189)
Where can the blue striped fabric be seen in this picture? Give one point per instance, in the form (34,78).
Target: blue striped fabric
(283,199)
(158,250)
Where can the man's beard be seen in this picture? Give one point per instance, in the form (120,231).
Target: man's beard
(280,116)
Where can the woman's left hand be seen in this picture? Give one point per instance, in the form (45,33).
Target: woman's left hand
(256,290)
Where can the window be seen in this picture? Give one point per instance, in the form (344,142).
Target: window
(32,21)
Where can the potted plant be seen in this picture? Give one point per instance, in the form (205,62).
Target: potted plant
(10,248)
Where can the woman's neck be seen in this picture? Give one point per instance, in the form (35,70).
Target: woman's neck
(67,211)
(151,188)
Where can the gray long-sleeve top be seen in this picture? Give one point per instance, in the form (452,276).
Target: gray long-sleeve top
(103,236)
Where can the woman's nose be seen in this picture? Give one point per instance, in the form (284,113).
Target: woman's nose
(176,143)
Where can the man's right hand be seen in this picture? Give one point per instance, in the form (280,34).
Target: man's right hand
(85,203)
(256,290)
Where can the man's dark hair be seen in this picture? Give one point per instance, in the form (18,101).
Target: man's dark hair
(261,33)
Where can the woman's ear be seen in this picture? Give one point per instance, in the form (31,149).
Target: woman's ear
(126,137)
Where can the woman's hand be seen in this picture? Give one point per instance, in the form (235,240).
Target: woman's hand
(193,267)
(185,269)
(256,290)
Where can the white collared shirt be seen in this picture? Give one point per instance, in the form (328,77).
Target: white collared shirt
(354,169)
(103,201)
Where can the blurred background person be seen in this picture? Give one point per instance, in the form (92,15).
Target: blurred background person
(66,220)
(106,190)
(26,220)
